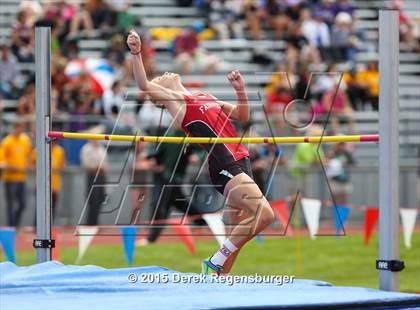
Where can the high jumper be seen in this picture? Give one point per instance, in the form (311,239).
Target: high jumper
(203,115)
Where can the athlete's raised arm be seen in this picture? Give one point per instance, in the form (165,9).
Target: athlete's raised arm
(240,111)
(155,91)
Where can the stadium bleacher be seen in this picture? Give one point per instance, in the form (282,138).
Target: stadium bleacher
(237,54)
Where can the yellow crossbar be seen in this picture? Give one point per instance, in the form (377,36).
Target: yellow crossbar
(208,140)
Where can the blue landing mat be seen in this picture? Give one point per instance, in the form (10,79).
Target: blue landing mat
(55,286)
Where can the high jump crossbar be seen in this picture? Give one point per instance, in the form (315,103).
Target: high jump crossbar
(388,146)
(210,140)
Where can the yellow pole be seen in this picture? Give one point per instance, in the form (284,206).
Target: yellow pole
(204,140)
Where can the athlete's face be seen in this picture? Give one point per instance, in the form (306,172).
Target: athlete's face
(168,80)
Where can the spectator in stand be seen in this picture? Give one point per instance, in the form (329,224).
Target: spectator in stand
(282,90)
(343,6)
(121,14)
(281,77)
(339,159)
(253,14)
(85,100)
(336,101)
(294,10)
(102,15)
(16,148)
(93,160)
(58,76)
(66,100)
(26,103)
(188,55)
(116,57)
(302,89)
(298,49)
(276,102)
(115,54)
(78,122)
(271,11)
(369,79)
(113,97)
(325,10)
(277,19)
(185,47)
(65,21)
(70,49)
(75,17)
(83,85)
(406,27)
(10,81)
(355,89)
(59,80)
(153,120)
(224,18)
(32,9)
(325,81)
(22,38)
(316,31)
(343,38)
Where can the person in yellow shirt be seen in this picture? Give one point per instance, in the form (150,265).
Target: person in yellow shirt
(58,163)
(16,149)
(363,86)
(370,79)
(356,91)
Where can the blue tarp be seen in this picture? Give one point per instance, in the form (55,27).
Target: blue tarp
(55,286)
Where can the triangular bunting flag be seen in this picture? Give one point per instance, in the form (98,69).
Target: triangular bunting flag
(408,220)
(371,218)
(311,211)
(341,214)
(129,239)
(259,239)
(216,225)
(184,232)
(55,250)
(7,240)
(281,210)
(86,235)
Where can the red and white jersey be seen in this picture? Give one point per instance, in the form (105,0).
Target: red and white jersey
(204,117)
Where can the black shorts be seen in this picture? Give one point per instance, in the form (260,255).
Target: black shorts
(221,175)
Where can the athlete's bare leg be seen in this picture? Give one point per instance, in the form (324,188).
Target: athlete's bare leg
(256,214)
(236,217)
